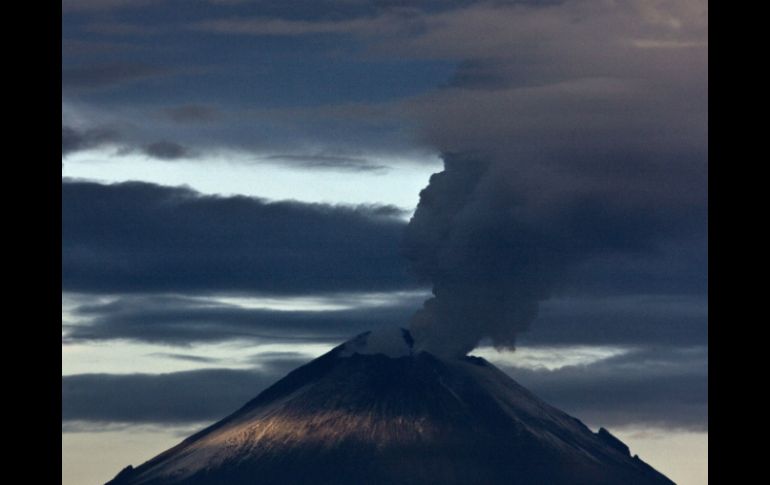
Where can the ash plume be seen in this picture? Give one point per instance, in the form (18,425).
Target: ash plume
(489,266)
(570,134)
(494,242)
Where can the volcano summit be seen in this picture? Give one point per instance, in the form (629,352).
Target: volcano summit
(377,411)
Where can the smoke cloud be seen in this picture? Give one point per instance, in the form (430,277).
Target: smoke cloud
(487,268)
(571,133)
(494,246)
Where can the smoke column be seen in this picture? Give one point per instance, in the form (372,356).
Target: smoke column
(495,243)
(570,133)
(489,268)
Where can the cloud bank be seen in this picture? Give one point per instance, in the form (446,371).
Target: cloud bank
(139,237)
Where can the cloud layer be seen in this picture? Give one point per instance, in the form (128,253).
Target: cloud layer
(574,191)
(639,389)
(665,389)
(181,397)
(184,321)
(138,237)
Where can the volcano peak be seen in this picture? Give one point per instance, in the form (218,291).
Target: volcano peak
(374,411)
(388,341)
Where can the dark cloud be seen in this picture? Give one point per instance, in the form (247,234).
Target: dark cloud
(81,48)
(674,268)
(658,387)
(480,74)
(298,9)
(647,388)
(180,397)
(125,29)
(74,140)
(88,5)
(138,237)
(628,320)
(330,162)
(182,321)
(106,75)
(166,150)
(186,357)
(192,113)
(622,320)
(291,357)
(586,65)
(310,15)
(180,66)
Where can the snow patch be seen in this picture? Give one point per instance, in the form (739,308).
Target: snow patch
(389,341)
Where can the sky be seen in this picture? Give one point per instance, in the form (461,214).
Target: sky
(241,191)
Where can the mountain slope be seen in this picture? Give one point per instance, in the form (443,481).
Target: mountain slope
(373,412)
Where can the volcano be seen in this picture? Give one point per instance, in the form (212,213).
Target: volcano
(376,411)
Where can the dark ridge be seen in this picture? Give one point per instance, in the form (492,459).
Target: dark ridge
(124,473)
(611,440)
(408,338)
(475,360)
